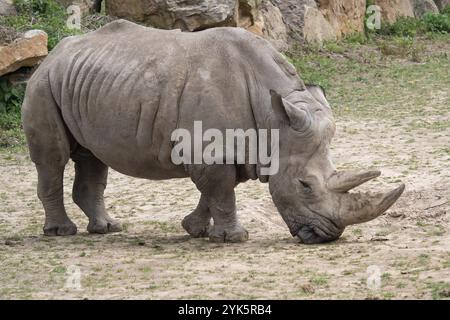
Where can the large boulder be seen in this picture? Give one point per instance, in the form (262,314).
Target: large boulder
(26,51)
(268,23)
(441,4)
(7,8)
(305,21)
(423,6)
(393,9)
(257,16)
(345,16)
(316,28)
(170,14)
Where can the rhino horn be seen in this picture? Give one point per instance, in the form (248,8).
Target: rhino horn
(358,208)
(343,181)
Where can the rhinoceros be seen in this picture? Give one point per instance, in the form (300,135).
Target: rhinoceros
(112,98)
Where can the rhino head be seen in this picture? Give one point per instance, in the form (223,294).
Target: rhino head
(311,196)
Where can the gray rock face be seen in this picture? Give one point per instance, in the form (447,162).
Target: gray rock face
(259,17)
(272,25)
(172,14)
(423,6)
(7,8)
(441,4)
(294,15)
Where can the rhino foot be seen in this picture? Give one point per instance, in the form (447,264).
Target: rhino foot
(224,234)
(197,225)
(66,228)
(104,225)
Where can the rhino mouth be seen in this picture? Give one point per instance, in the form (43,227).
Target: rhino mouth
(309,234)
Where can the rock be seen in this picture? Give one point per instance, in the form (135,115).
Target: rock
(423,6)
(276,20)
(392,9)
(274,28)
(7,8)
(269,24)
(176,14)
(25,51)
(304,21)
(294,16)
(257,16)
(317,28)
(345,16)
(441,4)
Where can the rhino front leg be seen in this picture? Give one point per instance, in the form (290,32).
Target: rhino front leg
(198,223)
(90,183)
(226,226)
(217,183)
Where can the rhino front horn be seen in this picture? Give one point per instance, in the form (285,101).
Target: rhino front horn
(343,181)
(358,208)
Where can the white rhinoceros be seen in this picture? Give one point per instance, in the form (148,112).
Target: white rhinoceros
(113,97)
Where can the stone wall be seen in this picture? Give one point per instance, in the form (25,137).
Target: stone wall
(279,21)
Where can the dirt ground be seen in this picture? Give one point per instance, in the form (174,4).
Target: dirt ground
(395,117)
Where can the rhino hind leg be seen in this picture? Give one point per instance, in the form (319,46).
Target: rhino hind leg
(50,192)
(88,188)
(217,183)
(198,223)
(49,145)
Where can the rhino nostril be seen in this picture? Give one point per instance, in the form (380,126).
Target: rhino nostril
(308,235)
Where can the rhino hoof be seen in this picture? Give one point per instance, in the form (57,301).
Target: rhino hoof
(62,229)
(104,226)
(219,234)
(197,228)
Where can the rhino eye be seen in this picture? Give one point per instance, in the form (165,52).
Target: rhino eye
(306,187)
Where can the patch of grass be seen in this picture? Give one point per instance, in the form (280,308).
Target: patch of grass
(319,280)
(439,290)
(334,47)
(411,27)
(59,269)
(403,26)
(388,295)
(11,97)
(315,69)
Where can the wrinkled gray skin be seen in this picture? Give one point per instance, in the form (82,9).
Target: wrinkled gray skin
(113,97)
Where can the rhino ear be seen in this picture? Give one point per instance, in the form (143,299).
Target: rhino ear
(286,113)
(315,89)
(318,92)
(278,107)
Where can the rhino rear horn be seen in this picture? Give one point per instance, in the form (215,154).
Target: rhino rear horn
(343,181)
